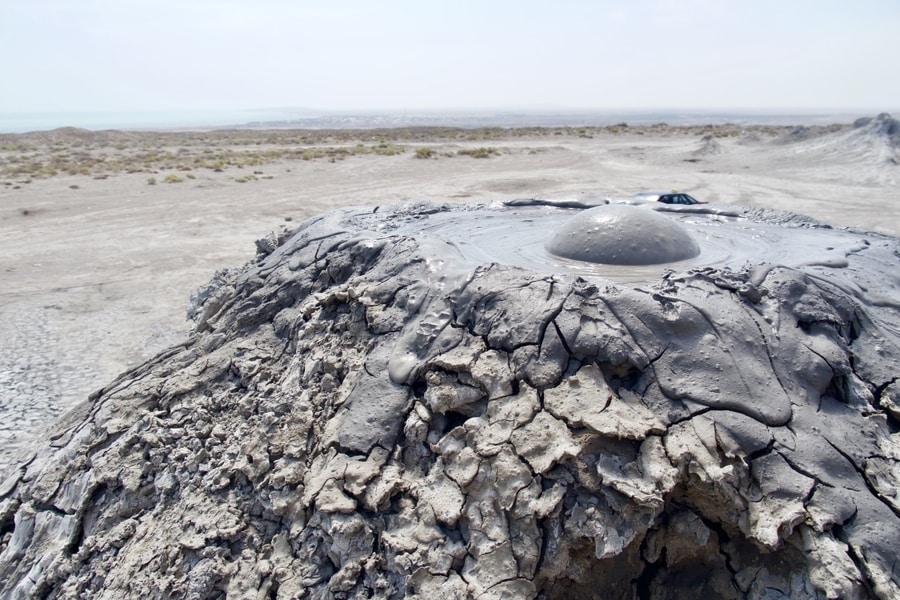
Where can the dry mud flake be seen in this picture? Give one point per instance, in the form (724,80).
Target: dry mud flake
(364,412)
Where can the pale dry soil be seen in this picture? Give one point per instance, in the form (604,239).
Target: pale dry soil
(95,274)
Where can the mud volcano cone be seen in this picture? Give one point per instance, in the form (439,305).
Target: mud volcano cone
(378,409)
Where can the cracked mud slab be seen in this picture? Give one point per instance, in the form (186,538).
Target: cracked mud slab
(381,406)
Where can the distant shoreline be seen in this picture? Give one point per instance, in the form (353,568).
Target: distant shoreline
(21,122)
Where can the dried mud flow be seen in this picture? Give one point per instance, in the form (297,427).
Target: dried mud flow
(379,407)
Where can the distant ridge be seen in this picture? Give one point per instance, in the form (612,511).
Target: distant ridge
(563,118)
(883,126)
(316,119)
(870,148)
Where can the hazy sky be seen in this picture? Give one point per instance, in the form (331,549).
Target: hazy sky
(83,55)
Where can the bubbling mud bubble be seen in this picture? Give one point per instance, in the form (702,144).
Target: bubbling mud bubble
(619,234)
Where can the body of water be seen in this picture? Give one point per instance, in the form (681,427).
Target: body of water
(148,119)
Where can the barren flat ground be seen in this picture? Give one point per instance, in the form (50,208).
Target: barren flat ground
(105,235)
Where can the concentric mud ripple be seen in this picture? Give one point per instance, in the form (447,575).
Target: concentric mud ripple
(732,238)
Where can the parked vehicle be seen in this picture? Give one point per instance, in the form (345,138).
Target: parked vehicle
(667,198)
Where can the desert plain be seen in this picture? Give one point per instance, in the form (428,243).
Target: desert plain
(104,236)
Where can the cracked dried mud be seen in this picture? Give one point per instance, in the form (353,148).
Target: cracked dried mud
(385,404)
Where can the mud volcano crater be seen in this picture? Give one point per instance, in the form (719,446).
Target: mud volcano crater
(437,400)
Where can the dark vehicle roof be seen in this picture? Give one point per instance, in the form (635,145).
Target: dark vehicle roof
(677,198)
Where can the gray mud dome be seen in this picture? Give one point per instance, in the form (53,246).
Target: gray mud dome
(619,234)
(383,407)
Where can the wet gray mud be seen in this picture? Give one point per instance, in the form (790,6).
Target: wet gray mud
(619,234)
(423,401)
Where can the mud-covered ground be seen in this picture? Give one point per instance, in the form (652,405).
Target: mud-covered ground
(105,235)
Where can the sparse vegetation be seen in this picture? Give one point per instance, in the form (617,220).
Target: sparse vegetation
(385,149)
(172,178)
(312,154)
(99,154)
(481,152)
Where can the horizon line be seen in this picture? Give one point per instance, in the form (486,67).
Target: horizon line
(298,117)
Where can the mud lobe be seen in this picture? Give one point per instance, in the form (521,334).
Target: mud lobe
(422,400)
